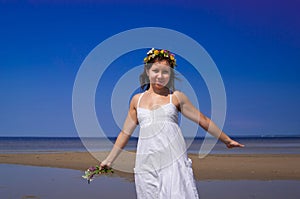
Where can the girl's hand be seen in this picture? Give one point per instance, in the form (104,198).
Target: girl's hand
(232,144)
(105,164)
(91,172)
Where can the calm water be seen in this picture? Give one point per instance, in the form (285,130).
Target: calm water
(254,145)
(19,181)
(47,183)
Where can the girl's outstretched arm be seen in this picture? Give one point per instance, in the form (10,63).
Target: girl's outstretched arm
(189,111)
(123,137)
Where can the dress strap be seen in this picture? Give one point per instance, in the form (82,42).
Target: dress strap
(170,98)
(138,104)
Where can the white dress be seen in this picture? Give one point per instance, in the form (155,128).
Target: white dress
(162,168)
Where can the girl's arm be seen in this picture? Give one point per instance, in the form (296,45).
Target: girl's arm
(189,111)
(123,137)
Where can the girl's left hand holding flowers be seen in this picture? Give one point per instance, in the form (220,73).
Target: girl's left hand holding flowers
(91,172)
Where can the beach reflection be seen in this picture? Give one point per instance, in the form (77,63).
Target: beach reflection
(19,181)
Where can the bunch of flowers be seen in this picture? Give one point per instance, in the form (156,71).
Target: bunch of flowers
(153,53)
(90,173)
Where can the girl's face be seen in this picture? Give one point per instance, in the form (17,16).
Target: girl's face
(159,74)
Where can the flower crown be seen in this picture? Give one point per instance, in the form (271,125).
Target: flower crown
(153,53)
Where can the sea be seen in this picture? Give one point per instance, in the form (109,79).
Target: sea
(253,145)
(33,182)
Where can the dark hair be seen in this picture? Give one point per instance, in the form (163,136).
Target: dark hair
(144,79)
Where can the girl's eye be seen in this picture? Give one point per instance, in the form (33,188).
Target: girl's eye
(163,72)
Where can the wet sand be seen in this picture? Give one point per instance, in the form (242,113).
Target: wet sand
(212,167)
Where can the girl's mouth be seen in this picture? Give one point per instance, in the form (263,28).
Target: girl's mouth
(160,83)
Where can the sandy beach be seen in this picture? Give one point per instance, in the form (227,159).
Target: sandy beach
(212,167)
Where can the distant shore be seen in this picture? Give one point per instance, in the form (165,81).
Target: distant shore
(212,167)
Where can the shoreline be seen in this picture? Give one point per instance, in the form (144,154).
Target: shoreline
(211,167)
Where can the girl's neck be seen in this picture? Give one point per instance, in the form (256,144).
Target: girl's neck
(164,91)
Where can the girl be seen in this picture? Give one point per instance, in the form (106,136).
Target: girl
(162,168)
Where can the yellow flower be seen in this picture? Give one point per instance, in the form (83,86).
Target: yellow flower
(156,52)
(171,57)
(162,51)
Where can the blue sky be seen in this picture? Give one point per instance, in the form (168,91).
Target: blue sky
(255,44)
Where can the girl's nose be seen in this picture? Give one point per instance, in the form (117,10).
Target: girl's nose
(159,75)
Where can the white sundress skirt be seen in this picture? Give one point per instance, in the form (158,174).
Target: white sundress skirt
(162,168)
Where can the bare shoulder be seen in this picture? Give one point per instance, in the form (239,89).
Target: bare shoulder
(134,100)
(180,97)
